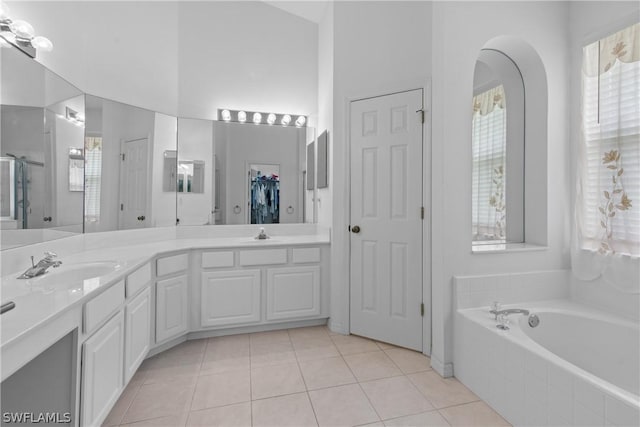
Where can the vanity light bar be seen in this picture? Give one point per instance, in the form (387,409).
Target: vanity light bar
(21,34)
(262,118)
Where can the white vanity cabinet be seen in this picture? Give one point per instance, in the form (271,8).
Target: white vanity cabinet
(137,332)
(251,287)
(172,293)
(293,292)
(102,366)
(230,297)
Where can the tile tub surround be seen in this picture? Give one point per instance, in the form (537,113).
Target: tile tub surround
(179,387)
(529,385)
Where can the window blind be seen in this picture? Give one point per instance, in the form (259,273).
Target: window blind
(610,158)
(488,174)
(93,178)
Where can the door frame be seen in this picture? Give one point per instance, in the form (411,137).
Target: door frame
(426,202)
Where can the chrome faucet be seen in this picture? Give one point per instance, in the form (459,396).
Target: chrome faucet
(262,235)
(42,266)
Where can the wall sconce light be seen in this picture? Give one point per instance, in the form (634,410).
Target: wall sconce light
(258,118)
(20,34)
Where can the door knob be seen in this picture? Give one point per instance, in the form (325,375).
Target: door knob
(141,218)
(355,229)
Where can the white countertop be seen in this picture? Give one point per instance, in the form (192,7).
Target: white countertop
(37,302)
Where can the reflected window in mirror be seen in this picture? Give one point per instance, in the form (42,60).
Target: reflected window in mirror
(497,142)
(76,169)
(92,178)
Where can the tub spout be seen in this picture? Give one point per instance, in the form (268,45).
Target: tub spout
(510,311)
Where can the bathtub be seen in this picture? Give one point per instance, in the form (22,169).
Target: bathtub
(578,367)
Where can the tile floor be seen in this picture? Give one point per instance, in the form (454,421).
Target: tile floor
(296,377)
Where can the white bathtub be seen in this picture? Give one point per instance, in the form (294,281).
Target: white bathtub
(579,366)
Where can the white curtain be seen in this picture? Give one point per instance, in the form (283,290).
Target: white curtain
(489,127)
(607,236)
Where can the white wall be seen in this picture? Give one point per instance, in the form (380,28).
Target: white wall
(324,196)
(125,51)
(460,30)
(245,55)
(378,48)
(590,21)
(181,58)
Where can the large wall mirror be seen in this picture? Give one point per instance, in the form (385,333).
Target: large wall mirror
(128,151)
(41,153)
(498,147)
(241,173)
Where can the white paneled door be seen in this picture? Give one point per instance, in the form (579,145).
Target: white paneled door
(386,218)
(134,177)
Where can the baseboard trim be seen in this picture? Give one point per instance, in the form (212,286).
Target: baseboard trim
(444,369)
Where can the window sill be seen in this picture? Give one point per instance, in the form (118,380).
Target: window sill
(506,247)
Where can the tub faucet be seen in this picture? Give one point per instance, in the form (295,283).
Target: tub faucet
(42,266)
(509,311)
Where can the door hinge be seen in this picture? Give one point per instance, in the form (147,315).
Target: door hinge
(422,309)
(422,212)
(421,111)
(121,206)
(122,155)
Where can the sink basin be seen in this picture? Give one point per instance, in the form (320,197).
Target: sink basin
(74,273)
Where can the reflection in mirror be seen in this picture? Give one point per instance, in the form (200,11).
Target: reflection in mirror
(238,146)
(234,163)
(126,167)
(264,194)
(37,134)
(498,151)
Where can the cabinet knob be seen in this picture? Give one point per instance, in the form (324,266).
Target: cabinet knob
(141,218)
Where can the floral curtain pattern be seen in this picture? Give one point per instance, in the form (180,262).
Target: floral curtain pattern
(607,210)
(488,141)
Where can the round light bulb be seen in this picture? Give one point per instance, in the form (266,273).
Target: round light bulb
(22,29)
(300,121)
(257,118)
(226,115)
(242,116)
(42,43)
(286,119)
(271,118)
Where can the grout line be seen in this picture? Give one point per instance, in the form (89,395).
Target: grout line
(363,392)
(306,388)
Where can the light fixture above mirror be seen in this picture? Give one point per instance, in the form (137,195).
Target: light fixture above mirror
(21,34)
(260,118)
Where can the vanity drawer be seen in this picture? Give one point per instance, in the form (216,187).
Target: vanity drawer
(138,280)
(304,255)
(100,308)
(217,259)
(172,264)
(263,257)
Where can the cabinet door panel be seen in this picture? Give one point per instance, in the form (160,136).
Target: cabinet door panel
(102,365)
(138,332)
(171,308)
(230,297)
(293,292)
